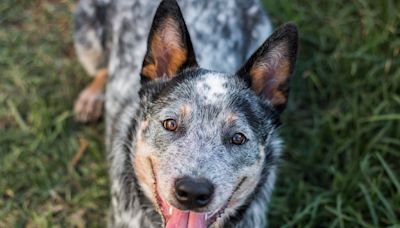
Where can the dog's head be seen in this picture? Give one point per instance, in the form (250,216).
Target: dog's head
(206,142)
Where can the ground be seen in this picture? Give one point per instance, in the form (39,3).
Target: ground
(341,166)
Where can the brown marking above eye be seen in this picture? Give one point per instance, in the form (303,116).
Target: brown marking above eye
(185,110)
(238,139)
(231,118)
(170,124)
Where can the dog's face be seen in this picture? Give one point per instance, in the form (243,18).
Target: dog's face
(203,144)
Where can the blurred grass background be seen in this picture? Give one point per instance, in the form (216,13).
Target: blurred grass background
(342,127)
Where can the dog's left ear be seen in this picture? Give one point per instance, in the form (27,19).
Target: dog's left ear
(268,70)
(169,49)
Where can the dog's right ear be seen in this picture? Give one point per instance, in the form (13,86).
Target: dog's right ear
(169,49)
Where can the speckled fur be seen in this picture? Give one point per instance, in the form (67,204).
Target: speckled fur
(224,33)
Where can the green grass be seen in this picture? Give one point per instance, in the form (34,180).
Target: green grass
(341,165)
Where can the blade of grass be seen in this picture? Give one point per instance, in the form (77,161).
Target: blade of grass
(17,116)
(386,117)
(370,204)
(389,212)
(390,172)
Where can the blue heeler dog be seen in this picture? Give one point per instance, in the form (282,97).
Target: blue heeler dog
(187,147)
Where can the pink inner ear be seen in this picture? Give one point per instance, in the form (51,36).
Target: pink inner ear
(170,33)
(167,51)
(269,73)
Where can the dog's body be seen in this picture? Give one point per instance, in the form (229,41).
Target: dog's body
(188,124)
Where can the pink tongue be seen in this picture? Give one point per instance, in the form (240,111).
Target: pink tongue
(197,220)
(182,219)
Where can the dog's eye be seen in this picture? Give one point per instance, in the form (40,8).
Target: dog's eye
(238,139)
(170,124)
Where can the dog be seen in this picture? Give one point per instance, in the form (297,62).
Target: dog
(187,146)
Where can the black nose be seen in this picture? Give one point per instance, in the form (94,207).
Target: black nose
(193,193)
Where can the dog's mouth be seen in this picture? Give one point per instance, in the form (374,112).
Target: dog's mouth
(176,218)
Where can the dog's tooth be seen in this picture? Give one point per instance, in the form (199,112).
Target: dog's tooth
(206,216)
(170,210)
